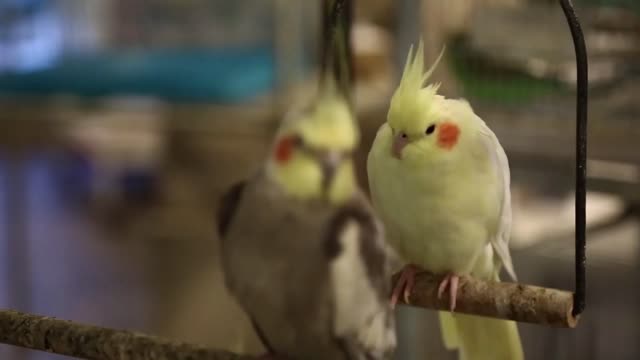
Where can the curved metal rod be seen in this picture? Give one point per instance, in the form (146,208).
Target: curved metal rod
(336,52)
(581,154)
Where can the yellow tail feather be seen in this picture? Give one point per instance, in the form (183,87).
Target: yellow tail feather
(448,331)
(481,338)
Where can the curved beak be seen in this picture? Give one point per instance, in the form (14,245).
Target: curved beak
(400,140)
(329,162)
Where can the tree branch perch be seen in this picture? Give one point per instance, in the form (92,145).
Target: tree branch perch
(504,300)
(96,343)
(523,303)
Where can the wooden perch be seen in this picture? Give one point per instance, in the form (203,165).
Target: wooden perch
(97,343)
(523,303)
(504,300)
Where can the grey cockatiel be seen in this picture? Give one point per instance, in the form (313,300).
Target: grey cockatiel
(302,250)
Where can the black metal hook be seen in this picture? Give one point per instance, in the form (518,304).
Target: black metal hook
(582,69)
(336,51)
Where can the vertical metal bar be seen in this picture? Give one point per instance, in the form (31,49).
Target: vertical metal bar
(581,154)
(336,51)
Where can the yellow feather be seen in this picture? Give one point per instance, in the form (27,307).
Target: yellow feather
(443,209)
(330,126)
(412,101)
(483,338)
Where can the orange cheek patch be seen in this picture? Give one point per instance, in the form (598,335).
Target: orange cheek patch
(284,150)
(448,135)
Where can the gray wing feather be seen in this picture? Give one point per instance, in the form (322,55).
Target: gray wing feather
(228,206)
(275,265)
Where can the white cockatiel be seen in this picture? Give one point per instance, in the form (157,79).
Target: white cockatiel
(440,181)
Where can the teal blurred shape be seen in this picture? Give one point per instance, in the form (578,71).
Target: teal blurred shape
(181,75)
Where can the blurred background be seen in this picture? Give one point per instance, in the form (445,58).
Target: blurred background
(123,121)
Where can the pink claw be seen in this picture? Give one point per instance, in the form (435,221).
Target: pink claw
(452,281)
(404,285)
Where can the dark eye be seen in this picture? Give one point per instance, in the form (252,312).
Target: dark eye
(297,141)
(430,129)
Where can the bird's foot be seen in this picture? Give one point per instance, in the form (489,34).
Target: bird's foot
(451,281)
(404,284)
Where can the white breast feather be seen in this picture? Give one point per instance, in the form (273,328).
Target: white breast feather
(359,311)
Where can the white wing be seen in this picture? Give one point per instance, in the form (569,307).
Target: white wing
(500,241)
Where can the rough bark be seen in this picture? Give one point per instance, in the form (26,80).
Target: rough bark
(92,342)
(523,303)
(504,300)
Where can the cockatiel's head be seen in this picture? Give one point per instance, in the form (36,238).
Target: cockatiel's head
(422,125)
(312,154)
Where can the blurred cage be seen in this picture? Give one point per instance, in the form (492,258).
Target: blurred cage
(183,67)
(515,61)
(147,110)
(98,64)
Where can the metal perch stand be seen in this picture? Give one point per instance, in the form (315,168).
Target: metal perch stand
(581,155)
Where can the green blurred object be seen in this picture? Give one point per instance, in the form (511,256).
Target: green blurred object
(627,4)
(484,81)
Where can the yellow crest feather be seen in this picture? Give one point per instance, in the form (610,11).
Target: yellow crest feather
(412,100)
